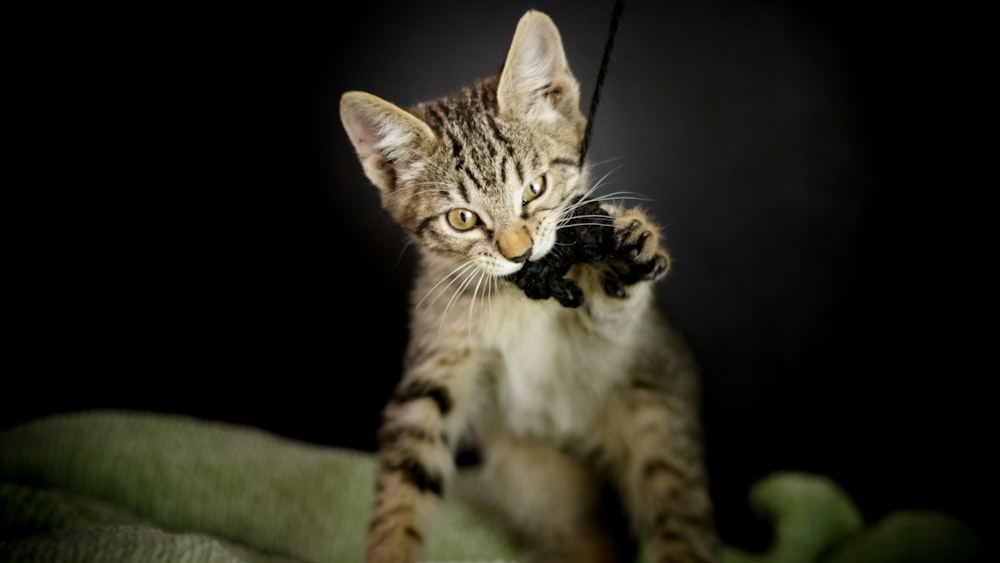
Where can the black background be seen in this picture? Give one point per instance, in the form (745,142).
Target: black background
(189,230)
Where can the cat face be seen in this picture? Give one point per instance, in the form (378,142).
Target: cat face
(495,196)
(481,179)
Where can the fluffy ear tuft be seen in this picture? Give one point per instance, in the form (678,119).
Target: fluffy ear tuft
(536,81)
(382,134)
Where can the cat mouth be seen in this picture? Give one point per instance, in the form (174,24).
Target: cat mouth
(506,269)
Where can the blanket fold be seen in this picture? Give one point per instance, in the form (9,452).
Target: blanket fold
(127,486)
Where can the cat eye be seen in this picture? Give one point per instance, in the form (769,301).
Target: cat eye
(534,189)
(462,219)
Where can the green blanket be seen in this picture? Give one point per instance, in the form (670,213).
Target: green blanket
(133,486)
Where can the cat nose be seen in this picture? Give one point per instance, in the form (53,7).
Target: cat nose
(522,258)
(515,246)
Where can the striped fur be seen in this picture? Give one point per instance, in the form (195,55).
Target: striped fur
(565,404)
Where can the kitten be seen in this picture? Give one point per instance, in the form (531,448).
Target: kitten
(564,403)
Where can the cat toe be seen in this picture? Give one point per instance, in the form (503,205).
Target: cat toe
(637,250)
(638,256)
(636,239)
(658,266)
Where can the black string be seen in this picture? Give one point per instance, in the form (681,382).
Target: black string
(612,31)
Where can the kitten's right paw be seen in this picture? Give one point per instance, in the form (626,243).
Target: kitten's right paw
(637,256)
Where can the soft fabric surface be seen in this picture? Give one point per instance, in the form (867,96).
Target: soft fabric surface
(134,486)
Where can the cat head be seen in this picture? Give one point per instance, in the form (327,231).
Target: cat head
(486,176)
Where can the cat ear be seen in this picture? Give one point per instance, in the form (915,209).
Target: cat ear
(536,81)
(382,134)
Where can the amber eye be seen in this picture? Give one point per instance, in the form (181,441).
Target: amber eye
(462,219)
(534,189)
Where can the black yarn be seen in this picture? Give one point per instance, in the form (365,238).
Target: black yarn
(616,14)
(587,243)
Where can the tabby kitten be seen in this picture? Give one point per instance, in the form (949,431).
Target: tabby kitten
(564,403)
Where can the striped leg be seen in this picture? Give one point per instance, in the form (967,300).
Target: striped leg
(663,479)
(415,458)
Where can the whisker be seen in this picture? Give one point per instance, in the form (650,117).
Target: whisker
(453,275)
(567,213)
(588,224)
(564,219)
(600,181)
(592,216)
(494,288)
(458,291)
(622,195)
(475,293)
(598,163)
(406,244)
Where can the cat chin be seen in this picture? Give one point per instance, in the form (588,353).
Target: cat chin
(502,269)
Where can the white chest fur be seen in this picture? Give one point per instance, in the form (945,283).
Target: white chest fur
(554,375)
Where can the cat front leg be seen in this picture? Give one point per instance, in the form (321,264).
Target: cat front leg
(655,442)
(618,295)
(421,424)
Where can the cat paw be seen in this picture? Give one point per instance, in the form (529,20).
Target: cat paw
(637,246)
(637,255)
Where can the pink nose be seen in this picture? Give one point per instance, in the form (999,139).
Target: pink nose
(515,246)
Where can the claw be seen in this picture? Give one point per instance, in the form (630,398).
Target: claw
(659,267)
(637,256)
(620,237)
(613,287)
